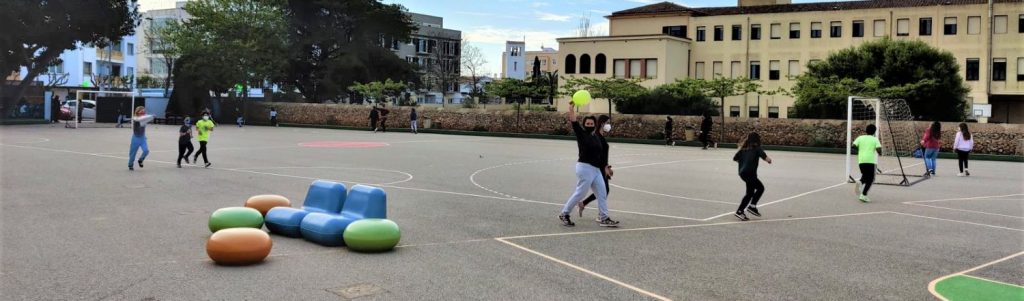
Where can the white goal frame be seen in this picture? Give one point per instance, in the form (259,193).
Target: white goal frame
(889,121)
(78,100)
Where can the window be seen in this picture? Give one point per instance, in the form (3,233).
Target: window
(755,70)
(815,30)
(131,71)
(635,68)
(1020,24)
(700,33)
(754,112)
(678,31)
(773,70)
(698,70)
(755,31)
(651,70)
(794,68)
(737,69)
(835,29)
(924,27)
(794,30)
(131,49)
(619,68)
(974,25)
(903,27)
(734,111)
(776,31)
(773,112)
(949,27)
(716,69)
(972,69)
(737,32)
(600,64)
(879,28)
(570,64)
(858,29)
(585,64)
(718,33)
(56,68)
(87,68)
(998,70)
(1020,69)
(999,24)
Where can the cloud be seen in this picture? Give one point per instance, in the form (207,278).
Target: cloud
(539,4)
(543,16)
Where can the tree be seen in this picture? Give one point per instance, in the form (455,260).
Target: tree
(37,32)
(510,89)
(442,72)
(379,91)
(473,62)
(721,87)
(615,90)
(161,44)
(336,43)
(928,78)
(682,97)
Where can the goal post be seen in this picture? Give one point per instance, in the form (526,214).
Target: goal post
(898,134)
(80,93)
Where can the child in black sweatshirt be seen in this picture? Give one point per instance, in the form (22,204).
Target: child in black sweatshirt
(747,157)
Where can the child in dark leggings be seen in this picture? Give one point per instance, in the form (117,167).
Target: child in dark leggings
(963,145)
(747,157)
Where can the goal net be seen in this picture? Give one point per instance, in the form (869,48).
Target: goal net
(98,108)
(898,133)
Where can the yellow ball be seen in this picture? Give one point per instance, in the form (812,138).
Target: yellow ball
(581,98)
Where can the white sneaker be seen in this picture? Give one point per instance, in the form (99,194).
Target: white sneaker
(961,174)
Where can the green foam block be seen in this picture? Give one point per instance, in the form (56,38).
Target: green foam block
(235,217)
(372,235)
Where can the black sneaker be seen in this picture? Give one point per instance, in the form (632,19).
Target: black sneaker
(131,168)
(140,164)
(566,221)
(753,210)
(608,222)
(179,165)
(207,165)
(741,216)
(187,162)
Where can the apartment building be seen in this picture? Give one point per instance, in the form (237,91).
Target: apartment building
(437,52)
(151,60)
(770,40)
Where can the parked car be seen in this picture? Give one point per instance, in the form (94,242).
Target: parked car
(88,108)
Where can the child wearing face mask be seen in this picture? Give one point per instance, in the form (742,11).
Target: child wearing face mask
(588,171)
(204,127)
(185,141)
(139,122)
(606,172)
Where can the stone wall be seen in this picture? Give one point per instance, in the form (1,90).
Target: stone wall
(1001,139)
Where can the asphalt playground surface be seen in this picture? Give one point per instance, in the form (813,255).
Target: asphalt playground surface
(478,220)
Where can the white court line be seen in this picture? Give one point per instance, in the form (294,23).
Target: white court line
(408,176)
(667,162)
(965,210)
(968,198)
(387,186)
(670,196)
(218,149)
(781,200)
(962,222)
(37,140)
(931,285)
(589,272)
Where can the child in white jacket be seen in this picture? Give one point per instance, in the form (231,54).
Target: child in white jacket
(963,145)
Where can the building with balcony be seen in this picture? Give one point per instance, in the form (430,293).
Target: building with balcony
(436,51)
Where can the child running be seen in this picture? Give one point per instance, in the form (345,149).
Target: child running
(139,122)
(868,148)
(204,127)
(588,171)
(747,157)
(963,145)
(185,141)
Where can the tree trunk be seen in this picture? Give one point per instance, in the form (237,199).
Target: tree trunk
(721,134)
(34,70)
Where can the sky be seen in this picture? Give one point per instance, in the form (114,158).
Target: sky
(487,24)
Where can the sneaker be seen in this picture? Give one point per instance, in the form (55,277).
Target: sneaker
(864,198)
(566,221)
(207,165)
(741,216)
(608,222)
(753,210)
(140,164)
(131,168)
(179,165)
(967,172)
(961,175)
(186,161)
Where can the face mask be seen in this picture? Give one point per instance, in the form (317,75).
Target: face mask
(607,128)
(206,117)
(589,129)
(188,121)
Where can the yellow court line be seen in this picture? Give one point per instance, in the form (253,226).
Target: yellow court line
(589,272)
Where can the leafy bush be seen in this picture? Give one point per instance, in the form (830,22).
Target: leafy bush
(663,101)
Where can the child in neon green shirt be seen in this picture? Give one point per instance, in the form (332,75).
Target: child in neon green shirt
(868,148)
(204,127)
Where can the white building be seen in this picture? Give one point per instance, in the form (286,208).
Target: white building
(150,61)
(90,68)
(513,60)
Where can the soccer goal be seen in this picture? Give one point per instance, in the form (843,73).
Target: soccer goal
(93,95)
(899,136)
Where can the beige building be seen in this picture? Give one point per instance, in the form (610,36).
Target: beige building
(770,40)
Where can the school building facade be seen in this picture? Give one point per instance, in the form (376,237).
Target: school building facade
(770,40)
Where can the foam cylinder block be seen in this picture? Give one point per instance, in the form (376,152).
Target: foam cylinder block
(372,235)
(285,221)
(235,217)
(325,229)
(265,202)
(238,246)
